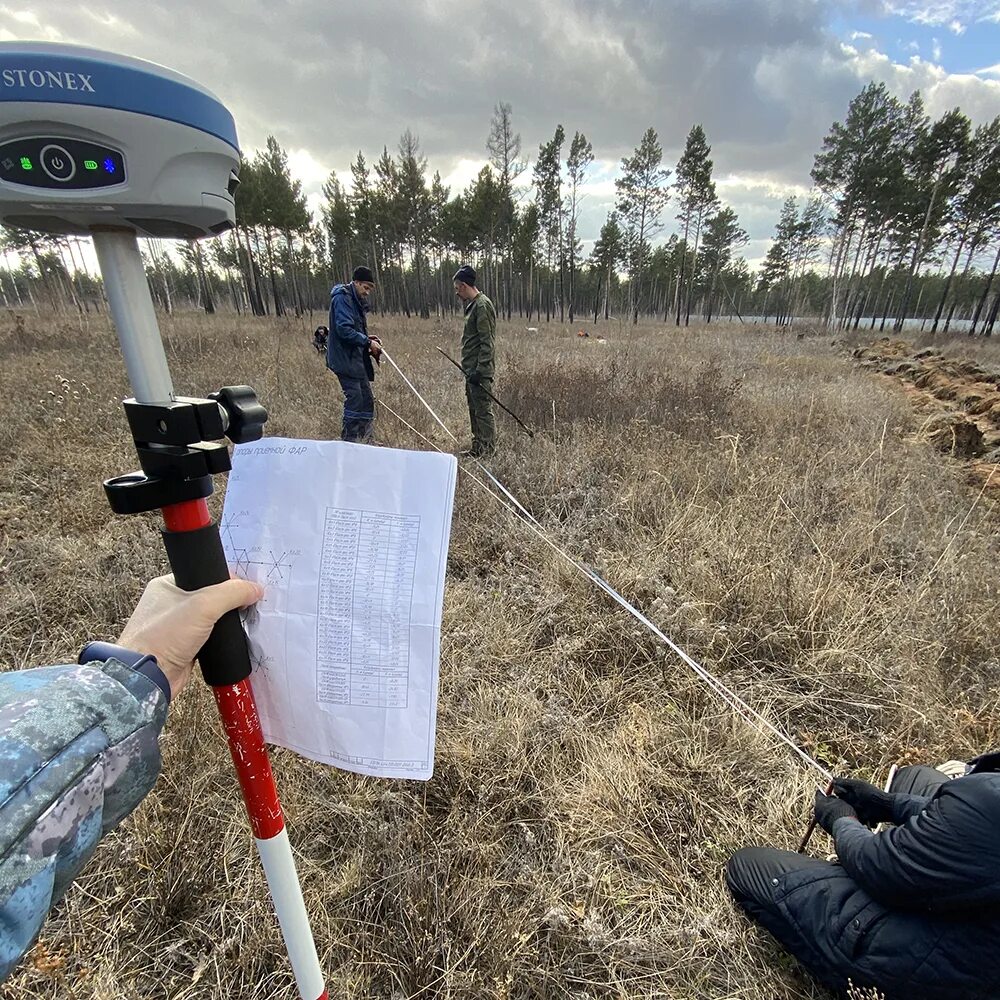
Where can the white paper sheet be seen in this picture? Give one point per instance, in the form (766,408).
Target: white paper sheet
(351,543)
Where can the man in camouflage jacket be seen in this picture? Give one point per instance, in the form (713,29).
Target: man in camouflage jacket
(478,339)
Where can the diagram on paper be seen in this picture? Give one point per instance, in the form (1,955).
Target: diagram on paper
(364,611)
(271,569)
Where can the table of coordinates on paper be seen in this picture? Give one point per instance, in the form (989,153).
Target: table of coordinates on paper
(363,620)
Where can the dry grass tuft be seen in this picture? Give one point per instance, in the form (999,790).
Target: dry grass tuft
(761,497)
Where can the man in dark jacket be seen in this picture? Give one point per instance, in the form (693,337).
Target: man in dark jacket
(477,360)
(349,353)
(913,911)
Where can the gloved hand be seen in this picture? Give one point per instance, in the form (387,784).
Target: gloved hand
(829,809)
(173,624)
(985,762)
(475,378)
(375,347)
(872,805)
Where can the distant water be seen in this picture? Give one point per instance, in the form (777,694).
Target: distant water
(909,325)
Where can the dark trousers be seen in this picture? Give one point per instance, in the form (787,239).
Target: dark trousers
(754,873)
(752,876)
(484,428)
(918,780)
(359,409)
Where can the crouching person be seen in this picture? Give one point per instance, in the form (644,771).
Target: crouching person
(913,911)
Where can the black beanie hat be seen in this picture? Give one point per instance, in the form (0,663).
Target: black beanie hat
(362,273)
(466,274)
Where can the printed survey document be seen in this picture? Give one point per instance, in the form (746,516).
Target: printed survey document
(350,543)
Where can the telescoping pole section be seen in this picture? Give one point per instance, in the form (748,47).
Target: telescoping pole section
(197,559)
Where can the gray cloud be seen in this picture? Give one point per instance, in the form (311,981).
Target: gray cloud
(765,77)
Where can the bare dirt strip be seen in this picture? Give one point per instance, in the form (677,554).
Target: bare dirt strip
(959,399)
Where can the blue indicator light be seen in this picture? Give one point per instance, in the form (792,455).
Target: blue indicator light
(109,165)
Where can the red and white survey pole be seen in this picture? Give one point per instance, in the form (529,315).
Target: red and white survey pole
(173,438)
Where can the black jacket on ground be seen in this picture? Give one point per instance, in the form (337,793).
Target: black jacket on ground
(347,342)
(914,910)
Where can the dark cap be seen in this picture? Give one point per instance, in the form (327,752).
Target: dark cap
(466,274)
(362,273)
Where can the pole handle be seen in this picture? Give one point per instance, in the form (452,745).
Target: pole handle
(811,828)
(198,560)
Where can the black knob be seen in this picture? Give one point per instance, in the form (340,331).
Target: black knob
(246,416)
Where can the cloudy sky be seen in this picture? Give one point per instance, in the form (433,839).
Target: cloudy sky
(765,77)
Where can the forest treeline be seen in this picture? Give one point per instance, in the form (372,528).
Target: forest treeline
(903,221)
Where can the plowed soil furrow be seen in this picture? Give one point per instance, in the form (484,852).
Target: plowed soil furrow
(959,399)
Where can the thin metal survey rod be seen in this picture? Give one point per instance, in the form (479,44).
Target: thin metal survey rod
(132,310)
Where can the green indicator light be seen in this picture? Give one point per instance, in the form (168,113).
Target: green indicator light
(26,163)
(90,164)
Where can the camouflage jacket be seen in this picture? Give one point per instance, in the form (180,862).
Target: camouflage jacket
(478,337)
(78,752)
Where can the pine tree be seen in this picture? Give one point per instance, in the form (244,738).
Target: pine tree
(387,210)
(581,155)
(338,229)
(642,196)
(933,173)
(362,202)
(723,236)
(548,186)
(974,210)
(527,230)
(280,211)
(414,201)
(249,210)
(696,200)
(504,147)
(605,258)
(856,159)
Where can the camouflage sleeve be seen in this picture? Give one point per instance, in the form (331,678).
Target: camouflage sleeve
(78,752)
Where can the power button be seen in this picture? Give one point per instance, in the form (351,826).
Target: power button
(57,163)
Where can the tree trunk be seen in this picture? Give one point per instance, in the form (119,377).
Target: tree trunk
(254,290)
(947,283)
(562,274)
(694,269)
(842,246)
(572,284)
(207,302)
(279,305)
(973,247)
(915,260)
(680,279)
(986,292)
(988,329)
(296,290)
(711,296)
(421,292)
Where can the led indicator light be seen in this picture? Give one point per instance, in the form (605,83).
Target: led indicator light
(109,165)
(26,163)
(90,164)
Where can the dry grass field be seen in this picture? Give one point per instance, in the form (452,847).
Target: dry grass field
(769,502)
